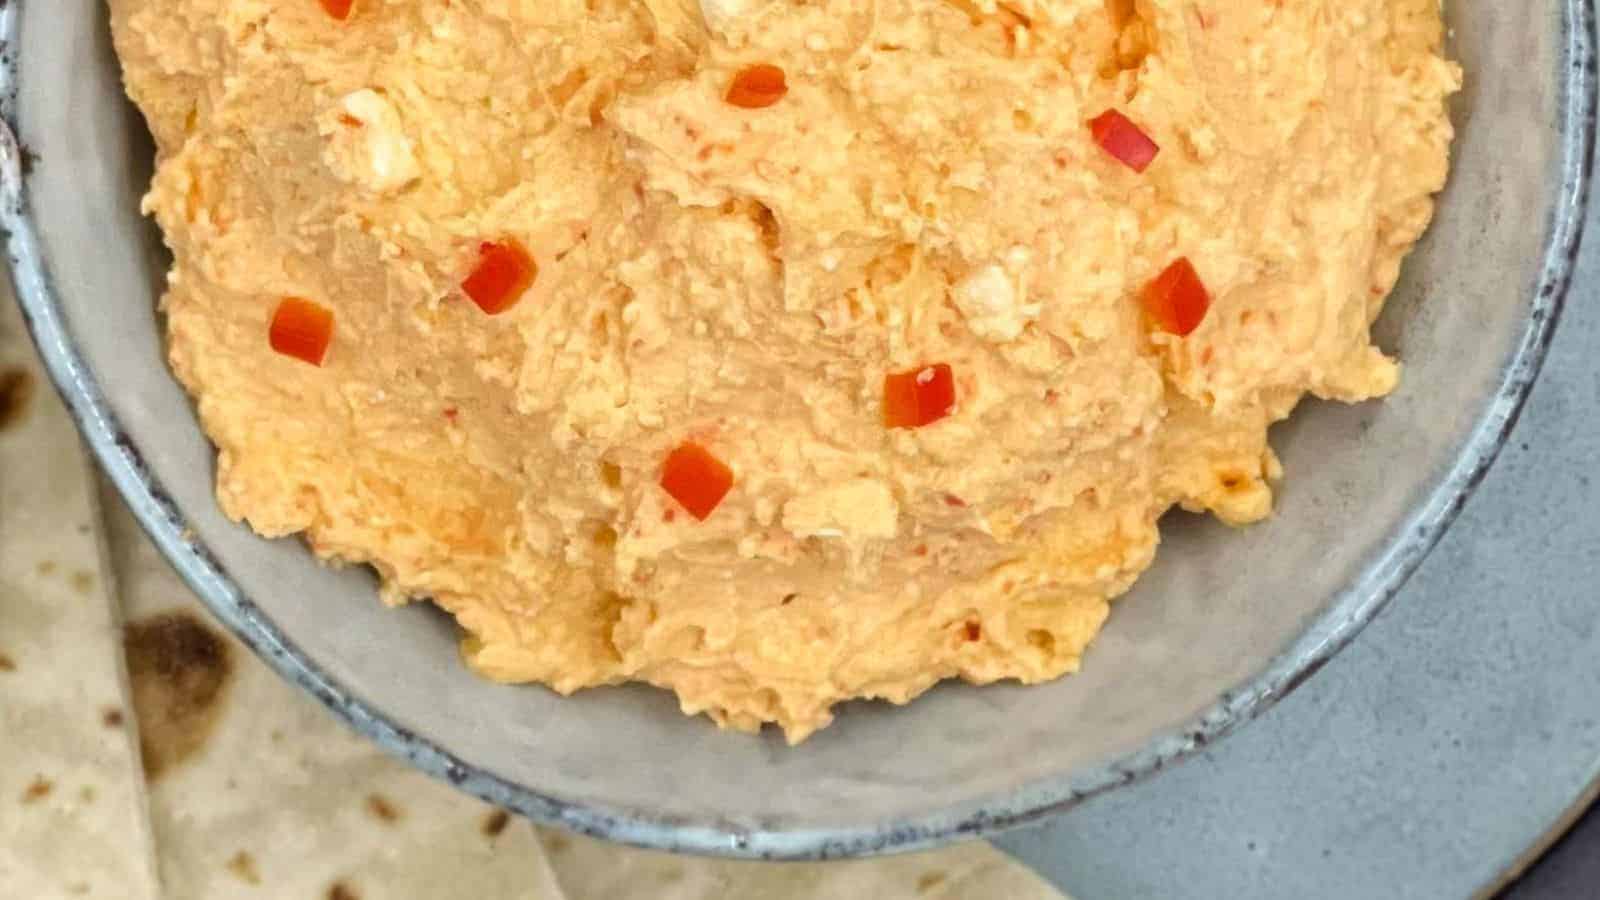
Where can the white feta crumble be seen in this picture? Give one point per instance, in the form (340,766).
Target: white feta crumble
(988,299)
(719,14)
(366,143)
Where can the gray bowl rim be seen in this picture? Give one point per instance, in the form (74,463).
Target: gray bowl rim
(1349,612)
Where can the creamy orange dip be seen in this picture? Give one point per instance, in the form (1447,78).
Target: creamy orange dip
(774,353)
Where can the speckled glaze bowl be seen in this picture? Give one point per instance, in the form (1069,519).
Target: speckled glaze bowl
(1226,623)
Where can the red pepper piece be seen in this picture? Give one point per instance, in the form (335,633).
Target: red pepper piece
(757,87)
(504,273)
(301,329)
(918,397)
(1177,299)
(1118,136)
(696,479)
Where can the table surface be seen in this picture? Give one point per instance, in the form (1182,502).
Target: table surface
(1570,872)
(1446,748)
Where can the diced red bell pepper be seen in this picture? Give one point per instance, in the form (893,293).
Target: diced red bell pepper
(757,87)
(504,273)
(918,397)
(1118,136)
(696,479)
(301,329)
(1177,299)
(339,9)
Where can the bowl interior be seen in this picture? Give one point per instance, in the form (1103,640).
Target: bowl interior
(1226,621)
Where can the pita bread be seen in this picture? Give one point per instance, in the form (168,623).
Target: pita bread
(72,820)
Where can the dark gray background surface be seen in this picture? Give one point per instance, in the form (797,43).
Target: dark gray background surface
(1570,872)
(1441,752)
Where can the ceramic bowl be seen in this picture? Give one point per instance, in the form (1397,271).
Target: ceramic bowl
(1226,623)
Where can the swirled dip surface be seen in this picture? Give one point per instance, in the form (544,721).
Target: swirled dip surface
(774,353)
